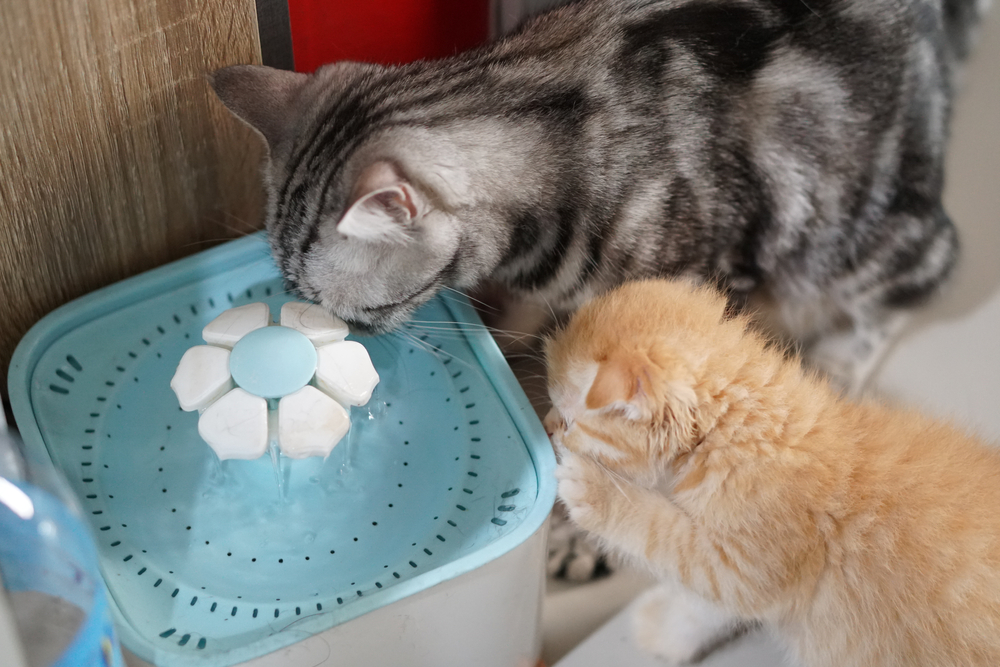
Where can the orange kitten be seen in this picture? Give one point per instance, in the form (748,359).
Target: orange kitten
(861,535)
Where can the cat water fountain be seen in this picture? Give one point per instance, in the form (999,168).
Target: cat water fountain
(411,526)
(287,385)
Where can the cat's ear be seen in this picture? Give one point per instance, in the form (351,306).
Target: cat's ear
(642,389)
(618,380)
(262,97)
(384,206)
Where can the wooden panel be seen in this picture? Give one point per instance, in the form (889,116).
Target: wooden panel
(115,155)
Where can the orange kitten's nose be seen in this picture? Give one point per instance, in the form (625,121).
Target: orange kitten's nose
(553,422)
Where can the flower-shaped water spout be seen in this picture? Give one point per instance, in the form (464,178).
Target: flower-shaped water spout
(256,383)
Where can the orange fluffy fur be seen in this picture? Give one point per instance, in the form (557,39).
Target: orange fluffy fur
(861,534)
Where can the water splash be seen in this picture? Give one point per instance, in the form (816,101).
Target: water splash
(272,446)
(278,472)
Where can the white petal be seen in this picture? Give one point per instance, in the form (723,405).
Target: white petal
(235,426)
(345,372)
(310,423)
(235,323)
(318,325)
(202,376)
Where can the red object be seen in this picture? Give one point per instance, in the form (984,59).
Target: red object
(384,31)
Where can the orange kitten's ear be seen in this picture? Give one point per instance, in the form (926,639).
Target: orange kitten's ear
(617,381)
(384,206)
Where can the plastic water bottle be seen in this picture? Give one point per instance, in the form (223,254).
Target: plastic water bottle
(53,604)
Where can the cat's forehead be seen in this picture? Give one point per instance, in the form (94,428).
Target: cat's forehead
(569,389)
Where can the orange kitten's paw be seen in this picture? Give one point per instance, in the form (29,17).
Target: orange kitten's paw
(581,485)
(673,623)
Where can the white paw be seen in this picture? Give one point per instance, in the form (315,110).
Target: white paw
(574,475)
(679,626)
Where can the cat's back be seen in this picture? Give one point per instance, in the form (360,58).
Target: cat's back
(915,554)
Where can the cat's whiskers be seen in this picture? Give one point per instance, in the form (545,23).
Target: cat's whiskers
(615,477)
(427,346)
(471,298)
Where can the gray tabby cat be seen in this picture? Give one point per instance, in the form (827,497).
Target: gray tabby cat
(791,151)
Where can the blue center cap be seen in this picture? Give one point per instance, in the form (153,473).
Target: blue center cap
(272,362)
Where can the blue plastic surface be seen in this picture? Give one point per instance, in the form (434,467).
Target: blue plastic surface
(272,362)
(205,563)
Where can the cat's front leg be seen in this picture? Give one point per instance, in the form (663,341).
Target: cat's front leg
(671,620)
(623,515)
(587,492)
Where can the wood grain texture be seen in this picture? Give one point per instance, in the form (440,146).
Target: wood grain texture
(115,155)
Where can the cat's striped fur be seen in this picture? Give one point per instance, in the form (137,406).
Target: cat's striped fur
(788,149)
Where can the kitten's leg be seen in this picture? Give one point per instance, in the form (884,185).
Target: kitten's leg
(632,520)
(679,626)
(849,357)
(868,307)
